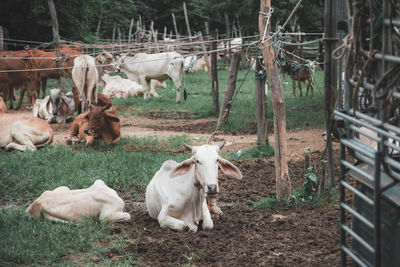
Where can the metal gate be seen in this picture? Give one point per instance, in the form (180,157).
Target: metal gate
(368,122)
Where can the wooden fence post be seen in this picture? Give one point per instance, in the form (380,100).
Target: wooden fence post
(214,78)
(203,48)
(207,28)
(261,104)
(1,38)
(230,88)
(176,28)
(130,31)
(283,184)
(187,21)
(154,36)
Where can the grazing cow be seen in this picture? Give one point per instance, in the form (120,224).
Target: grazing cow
(142,68)
(176,196)
(96,123)
(299,73)
(86,75)
(55,108)
(63,204)
(23,132)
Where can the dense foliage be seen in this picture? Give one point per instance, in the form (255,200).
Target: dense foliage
(80,20)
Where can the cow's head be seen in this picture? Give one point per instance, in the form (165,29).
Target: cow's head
(98,119)
(55,99)
(107,61)
(206,162)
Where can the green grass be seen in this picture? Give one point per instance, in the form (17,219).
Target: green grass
(25,241)
(256,152)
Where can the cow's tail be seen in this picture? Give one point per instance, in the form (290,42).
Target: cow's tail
(184,81)
(49,141)
(34,209)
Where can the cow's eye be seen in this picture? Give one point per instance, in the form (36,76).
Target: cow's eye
(217,160)
(197,161)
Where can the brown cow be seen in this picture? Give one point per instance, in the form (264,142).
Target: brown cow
(49,62)
(96,123)
(14,63)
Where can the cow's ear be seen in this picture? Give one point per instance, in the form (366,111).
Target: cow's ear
(229,169)
(182,168)
(111,116)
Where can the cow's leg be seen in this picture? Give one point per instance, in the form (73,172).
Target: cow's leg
(293,88)
(301,91)
(310,83)
(113,214)
(177,83)
(52,218)
(44,85)
(167,221)
(206,216)
(212,204)
(22,140)
(21,97)
(10,92)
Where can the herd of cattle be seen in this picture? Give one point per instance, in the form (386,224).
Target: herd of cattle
(180,195)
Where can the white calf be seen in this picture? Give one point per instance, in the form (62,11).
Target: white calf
(63,204)
(176,195)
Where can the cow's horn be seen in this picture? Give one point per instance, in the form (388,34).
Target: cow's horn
(106,107)
(188,147)
(221,145)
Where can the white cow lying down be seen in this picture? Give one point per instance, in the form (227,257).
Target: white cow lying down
(116,86)
(176,196)
(63,204)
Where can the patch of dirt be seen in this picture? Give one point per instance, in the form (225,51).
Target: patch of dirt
(297,236)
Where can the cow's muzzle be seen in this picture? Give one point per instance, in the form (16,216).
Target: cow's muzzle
(86,131)
(212,189)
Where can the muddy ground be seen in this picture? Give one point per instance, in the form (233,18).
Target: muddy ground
(243,236)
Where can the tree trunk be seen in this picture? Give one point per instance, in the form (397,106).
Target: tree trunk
(283,185)
(230,88)
(261,104)
(214,78)
(56,40)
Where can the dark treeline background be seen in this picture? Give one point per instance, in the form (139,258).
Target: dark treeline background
(79,19)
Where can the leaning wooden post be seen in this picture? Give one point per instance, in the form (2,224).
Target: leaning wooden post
(214,78)
(187,21)
(261,103)
(206,28)
(1,38)
(204,49)
(130,31)
(56,40)
(283,184)
(230,88)
(154,36)
(176,28)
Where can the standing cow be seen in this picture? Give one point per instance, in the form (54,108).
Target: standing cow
(176,196)
(142,68)
(86,75)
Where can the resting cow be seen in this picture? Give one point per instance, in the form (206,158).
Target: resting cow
(23,132)
(86,75)
(55,108)
(63,204)
(3,106)
(142,68)
(96,123)
(176,195)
